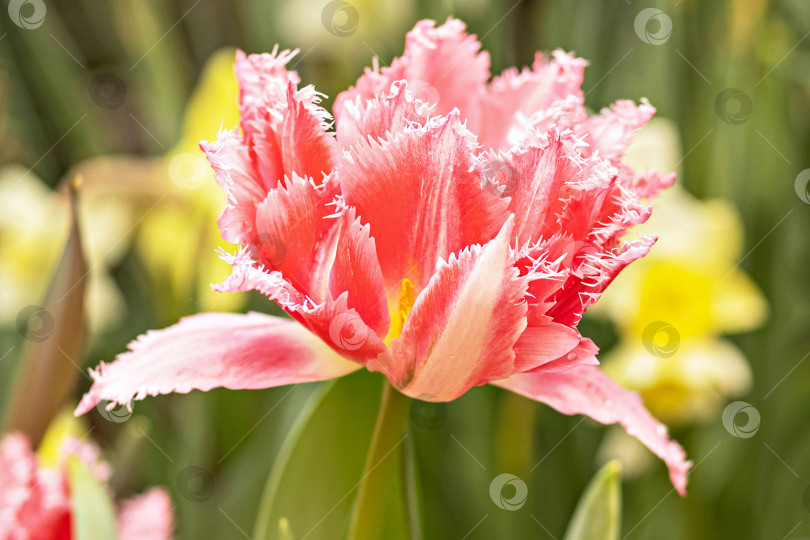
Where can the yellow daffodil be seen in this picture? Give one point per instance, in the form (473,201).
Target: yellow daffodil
(671,308)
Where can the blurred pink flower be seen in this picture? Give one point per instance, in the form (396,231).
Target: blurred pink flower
(450,232)
(35,501)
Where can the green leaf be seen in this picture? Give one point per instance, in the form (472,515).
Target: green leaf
(92,511)
(598,514)
(322,466)
(55,331)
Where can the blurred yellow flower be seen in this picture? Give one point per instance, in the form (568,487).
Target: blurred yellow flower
(671,307)
(34,224)
(174,201)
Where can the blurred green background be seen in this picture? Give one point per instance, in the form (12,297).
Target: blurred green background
(55,118)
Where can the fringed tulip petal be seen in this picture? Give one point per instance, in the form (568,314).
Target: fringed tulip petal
(586,390)
(421,195)
(463,326)
(213,350)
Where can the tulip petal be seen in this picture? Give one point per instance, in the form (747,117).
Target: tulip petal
(213,350)
(339,326)
(263,86)
(584,354)
(147,516)
(421,194)
(443,64)
(586,390)
(585,287)
(236,172)
(515,94)
(544,342)
(308,147)
(611,131)
(381,116)
(294,236)
(463,326)
(357,272)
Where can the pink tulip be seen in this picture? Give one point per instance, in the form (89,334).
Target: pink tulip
(449,232)
(35,502)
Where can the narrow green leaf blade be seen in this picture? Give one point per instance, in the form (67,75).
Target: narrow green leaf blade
(92,511)
(598,513)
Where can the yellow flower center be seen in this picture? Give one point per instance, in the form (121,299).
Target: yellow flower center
(399,310)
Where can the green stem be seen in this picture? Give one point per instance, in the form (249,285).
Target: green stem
(382,465)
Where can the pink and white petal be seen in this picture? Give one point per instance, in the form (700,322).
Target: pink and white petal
(212,350)
(380,116)
(148,516)
(586,390)
(236,172)
(611,131)
(263,80)
(463,327)
(294,235)
(585,286)
(356,271)
(445,61)
(421,194)
(308,148)
(550,175)
(543,342)
(34,502)
(584,354)
(333,321)
(521,94)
